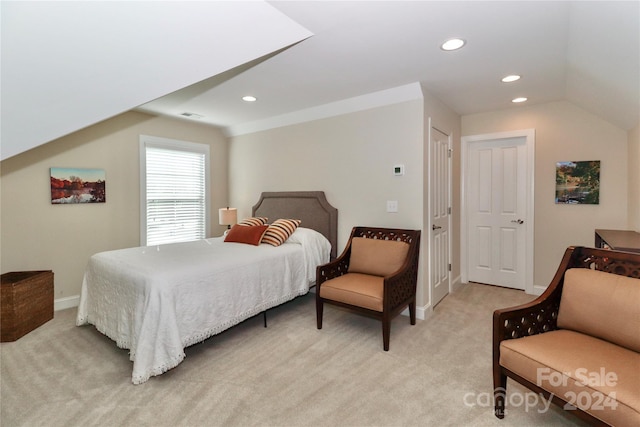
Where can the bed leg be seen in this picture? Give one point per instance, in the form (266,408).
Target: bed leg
(264,315)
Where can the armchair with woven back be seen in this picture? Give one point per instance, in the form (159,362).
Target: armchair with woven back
(376,275)
(577,344)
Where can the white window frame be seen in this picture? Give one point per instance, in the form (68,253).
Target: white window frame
(171,144)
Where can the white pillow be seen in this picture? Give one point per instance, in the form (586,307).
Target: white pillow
(307,236)
(316,249)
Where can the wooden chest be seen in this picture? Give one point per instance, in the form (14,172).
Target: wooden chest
(26,302)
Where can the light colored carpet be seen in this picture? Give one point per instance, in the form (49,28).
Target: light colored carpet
(437,373)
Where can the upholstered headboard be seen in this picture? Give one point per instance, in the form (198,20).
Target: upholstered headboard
(311,207)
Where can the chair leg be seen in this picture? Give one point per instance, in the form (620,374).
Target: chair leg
(499,392)
(386,333)
(319,309)
(412,311)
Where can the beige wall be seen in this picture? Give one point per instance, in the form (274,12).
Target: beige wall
(565,132)
(349,157)
(38,235)
(634,179)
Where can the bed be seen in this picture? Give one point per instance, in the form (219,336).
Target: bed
(157,300)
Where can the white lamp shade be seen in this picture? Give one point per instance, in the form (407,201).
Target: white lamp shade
(227,216)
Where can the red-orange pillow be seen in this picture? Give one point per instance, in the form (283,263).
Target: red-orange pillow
(249,234)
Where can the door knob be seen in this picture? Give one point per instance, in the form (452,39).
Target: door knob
(435,227)
(517,221)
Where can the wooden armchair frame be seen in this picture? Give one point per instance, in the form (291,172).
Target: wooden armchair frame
(399,288)
(540,316)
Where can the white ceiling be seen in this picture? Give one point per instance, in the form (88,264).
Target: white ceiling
(69,64)
(585,52)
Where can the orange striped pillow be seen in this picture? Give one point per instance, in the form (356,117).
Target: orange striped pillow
(258,220)
(280,231)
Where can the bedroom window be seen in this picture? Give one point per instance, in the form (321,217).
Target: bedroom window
(174,178)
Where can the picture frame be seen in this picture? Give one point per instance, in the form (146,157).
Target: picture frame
(578,182)
(77,185)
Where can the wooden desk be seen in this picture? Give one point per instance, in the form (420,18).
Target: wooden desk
(618,240)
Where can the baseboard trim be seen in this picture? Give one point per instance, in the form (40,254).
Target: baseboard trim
(422,313)
(65,303)
(456,284)
(538,290)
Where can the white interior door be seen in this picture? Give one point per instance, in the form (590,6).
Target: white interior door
(496,211)
(440,213)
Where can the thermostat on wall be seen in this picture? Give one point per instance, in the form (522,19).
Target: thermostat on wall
(398,170)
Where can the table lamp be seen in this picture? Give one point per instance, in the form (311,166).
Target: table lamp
(227,216)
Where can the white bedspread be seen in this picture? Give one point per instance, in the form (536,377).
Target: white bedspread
(157,300)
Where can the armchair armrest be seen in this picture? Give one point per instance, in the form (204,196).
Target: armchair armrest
(527,319)
(331,270)
(535,317)
(532,318)
(335,268)
(401,285)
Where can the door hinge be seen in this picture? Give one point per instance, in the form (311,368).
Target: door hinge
(449,267)
(449,151)
(449,210)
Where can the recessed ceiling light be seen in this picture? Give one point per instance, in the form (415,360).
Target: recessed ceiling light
(453,44)
(249,98)
(511,78)
(517,100)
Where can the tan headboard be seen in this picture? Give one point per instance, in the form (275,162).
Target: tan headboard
(311,207)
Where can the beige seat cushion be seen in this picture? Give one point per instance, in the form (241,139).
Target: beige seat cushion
(377,257)
(362,290)
(603,305)
(566,359)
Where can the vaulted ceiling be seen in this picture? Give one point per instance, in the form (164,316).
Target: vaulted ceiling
(584,52)
(69,64)
(78,63)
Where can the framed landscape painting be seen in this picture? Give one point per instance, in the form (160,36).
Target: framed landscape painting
(578,183)
(73,185)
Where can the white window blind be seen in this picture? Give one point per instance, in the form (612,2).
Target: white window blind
(175,191)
